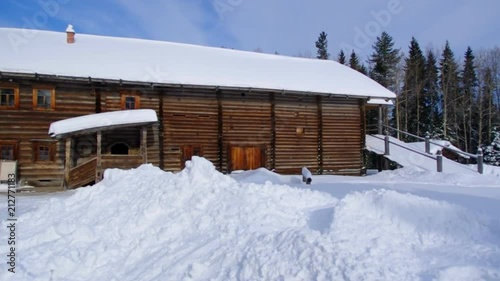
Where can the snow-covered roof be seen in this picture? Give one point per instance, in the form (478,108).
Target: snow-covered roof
(137,60)
(101,121)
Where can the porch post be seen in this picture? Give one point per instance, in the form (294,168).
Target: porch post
(67,162)
(380,130)
(144,144)
(98,169)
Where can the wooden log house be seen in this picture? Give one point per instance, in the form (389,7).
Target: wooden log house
(240,110)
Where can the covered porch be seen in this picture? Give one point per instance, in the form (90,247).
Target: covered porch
(96,142)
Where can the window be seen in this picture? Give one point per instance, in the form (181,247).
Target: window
(44,97)
(130,100)
(9,96)
(8,150)
(44,151)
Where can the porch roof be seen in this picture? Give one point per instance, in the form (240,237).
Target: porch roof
(101,122)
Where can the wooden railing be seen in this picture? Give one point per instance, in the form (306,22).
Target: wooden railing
(121,161)
(82,174)
(428,142)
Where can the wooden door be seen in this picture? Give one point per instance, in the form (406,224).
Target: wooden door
(246,157)
(188,151)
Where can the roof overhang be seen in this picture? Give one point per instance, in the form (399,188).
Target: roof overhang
(92,123)
(147,86)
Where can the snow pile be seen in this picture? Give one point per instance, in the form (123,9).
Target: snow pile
(411,173)
(145,224)
(409,237)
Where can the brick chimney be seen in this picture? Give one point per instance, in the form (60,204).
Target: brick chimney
(70,34)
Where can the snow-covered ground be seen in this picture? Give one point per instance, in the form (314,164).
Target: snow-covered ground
(146,224)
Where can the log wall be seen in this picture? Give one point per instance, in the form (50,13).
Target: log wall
(246,119)
(343,136)
(27,126)
(296,133)
(189,118)
(322,133)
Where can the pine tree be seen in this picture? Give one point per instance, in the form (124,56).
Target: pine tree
(354,61)
(431,117)
(322,46)
(384,61)
(341,57)
(414,83)
(467,106)
(363,69)
(448,81)
(384,67)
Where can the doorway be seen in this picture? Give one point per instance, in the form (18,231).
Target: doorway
(247,157)
(188,151)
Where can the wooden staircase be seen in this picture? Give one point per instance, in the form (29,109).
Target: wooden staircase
(82,174)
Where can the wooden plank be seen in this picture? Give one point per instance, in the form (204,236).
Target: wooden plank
(82,174)
(67,162)
(144,144)
(272,159)
(98,170)
(220,131)
(320,134)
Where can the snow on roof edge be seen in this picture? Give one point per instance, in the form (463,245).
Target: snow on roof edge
(381,99)
(101,121)
(378,101)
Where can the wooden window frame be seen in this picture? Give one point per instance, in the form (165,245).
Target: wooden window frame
(125,95)
(15,145)
(14,87)
(36,151)
(52,90)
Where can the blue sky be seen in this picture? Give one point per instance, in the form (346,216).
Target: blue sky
(289,27)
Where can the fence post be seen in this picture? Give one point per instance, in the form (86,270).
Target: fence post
(427,143)
(480,161)
(439,160)
(386,140)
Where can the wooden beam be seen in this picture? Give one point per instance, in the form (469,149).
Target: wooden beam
(220,132)
(161,133)
(67,162)
(320,134)
(273,131)
(362,112)
(144,144)
(98,170)
(97,93)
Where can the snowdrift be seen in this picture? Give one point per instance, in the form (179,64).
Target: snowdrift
(146,224)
